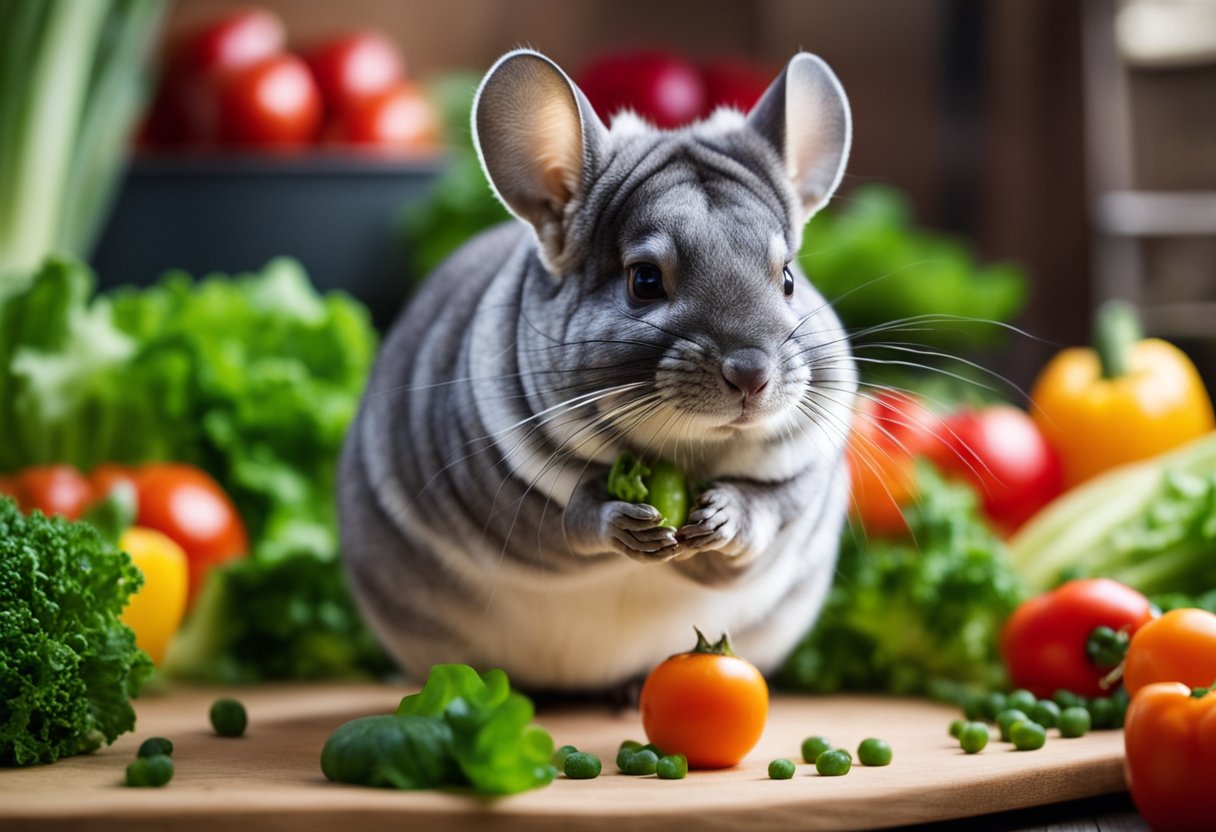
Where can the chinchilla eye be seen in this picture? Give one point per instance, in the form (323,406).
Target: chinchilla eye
(789,282)
(646,283)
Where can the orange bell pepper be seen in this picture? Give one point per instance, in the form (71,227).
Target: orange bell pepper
(1169,740)
(1180,646)
(1129,399)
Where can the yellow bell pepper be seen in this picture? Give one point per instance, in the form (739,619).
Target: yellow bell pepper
(1128,399)
(155,611)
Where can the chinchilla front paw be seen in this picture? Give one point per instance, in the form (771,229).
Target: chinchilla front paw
(716,524)
(633,529)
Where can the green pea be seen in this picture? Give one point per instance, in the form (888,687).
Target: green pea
(672,767)
(1121,700)
(973,737)
(812,747)
(155,745)
(1021,699)
(834,763)
(992,705)
(781,769)
(956,727)
(560,756)
(1074,722)
(668,492)
(1006,719)
(652,747)
(1027,735)
(154,771)
(579,765)
(874,752)
(641,762)
(632,746)
(1101,713)
(1065,699)
(1046,713)
(228,717)
(973,707)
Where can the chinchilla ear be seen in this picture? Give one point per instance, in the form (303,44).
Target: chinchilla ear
(537,137)
(804,114)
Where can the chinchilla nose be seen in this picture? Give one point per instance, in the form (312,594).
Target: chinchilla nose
(746,370)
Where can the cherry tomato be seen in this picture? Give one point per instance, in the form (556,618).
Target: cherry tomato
(53,489)
(240,39)
(354,66)
(1180,646)
(8,488)
(707,704)
(1002,452)
(272,103)
(889,431)
(659,87)
(401,117)
(733,84)
(1043,644)
(188,506)
(104,477)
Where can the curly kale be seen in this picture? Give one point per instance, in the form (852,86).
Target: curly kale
(68,665)
(915,616)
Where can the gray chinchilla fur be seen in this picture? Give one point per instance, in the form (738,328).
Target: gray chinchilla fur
(647,299)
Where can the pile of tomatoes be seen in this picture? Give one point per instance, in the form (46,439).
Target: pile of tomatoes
(233,83)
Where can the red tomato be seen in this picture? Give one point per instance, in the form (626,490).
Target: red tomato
(657,86)
(272,103)
(1005,456)
(733,84)
(187,505)
(401,117)
(1043,642)
(53,489)
(105,477)
(354,66)
(889,431)
(237,40)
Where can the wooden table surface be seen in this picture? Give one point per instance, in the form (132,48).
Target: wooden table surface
(271,779)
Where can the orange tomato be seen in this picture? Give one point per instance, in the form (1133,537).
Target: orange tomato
(1169,740)
(1180,646)
(707,704)
(890,430)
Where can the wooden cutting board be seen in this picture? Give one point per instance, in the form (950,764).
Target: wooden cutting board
(270,779)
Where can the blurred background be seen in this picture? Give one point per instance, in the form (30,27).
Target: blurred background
(1076,140)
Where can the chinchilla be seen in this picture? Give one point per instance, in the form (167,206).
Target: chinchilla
(646,299)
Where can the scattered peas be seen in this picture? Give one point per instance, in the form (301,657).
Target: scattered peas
(652,747)
(874,752)
(1101,713)
(1074,722)
(1121,701)
(632,746)
(992,705)
(973,737)
(228,717)
(641,762)
(560,756)
(1065,699)
(1046,713)
(834,763)
(1022,700)
(1006,719)
(155,745)
(622,759)
(812,747)
(1027,735)
(781,769)
(154,771)
(579,765)
(973,707)
(956,727)
(672,767)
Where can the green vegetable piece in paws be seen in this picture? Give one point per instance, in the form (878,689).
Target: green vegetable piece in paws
(580,765)
(155,745)
(672,767)
(662,485)
(153,771)
(626,480)
(781,769)
(228,717)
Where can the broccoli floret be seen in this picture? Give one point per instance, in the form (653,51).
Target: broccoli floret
(68,665)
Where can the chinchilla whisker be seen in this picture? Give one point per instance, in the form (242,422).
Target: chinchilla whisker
(868,452)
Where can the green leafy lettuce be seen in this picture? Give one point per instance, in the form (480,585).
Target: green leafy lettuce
(916,616)
(68,665)
(462,729)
